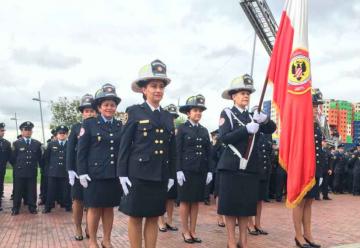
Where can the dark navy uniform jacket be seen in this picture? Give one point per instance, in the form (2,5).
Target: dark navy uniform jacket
(97,148)
(193,148)
(71,150)
(265,155)
(339,162)
(5,152)
(147,150)
(238,137)
(54,159)
(320,156)
(26,158)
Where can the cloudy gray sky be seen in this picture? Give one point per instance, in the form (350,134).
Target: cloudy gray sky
(69,48)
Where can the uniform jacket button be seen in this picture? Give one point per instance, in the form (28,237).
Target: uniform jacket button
(112,162)
(140,159)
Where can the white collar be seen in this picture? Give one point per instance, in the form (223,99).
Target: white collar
(152,108)
(193,123)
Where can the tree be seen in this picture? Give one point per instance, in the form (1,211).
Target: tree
(180,120)
(64,112)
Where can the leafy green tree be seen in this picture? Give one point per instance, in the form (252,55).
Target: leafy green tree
(64,112)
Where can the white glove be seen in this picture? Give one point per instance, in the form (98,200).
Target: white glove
(72,176)
(124,181)
(209,178)
(252,127)
(320,181)
(170,183)
(259,117)
(180,177)
(84,180)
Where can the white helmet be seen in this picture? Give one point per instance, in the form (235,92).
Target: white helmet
(154,70)
(244,82)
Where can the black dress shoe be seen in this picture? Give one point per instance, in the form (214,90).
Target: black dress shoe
(162,229)
(312,244)
(33,211)
(207,202)
(196,239)
(261,231)
(189,240)
(171,228)
(326,198)
(14,212)
(298,244)
(46,210)
(253,232)
(78,238)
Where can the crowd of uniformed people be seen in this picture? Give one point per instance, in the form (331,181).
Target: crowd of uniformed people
(145,166)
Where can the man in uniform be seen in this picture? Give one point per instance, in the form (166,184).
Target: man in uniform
(356,161)
(339,170)
(5,153)
(26,157)
(326,170)
(58,186)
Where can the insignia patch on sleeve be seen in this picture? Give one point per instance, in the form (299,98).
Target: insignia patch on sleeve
(82,131)
(221,121)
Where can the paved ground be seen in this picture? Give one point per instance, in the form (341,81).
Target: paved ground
(335,223)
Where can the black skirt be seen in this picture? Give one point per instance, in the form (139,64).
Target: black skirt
(145,198)
(77,191)
(102,193)
(315,190)
(263,190)
(172,193)
(193,189)
(238,193)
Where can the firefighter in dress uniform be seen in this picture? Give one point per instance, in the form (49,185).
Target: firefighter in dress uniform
(26,157)
(54,159)
(146,163)
(98,142)
(194,165)
(5,154)
(302,212)
(87,111)
(239,176)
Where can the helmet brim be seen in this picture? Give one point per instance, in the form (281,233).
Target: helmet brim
(138,84)
(226,93)
(186,108)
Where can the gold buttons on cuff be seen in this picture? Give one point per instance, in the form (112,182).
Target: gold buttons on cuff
(156,141)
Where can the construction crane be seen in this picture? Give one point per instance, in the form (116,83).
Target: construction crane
(265,26)
(262,20)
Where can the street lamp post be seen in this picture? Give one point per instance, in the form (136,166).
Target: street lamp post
(16,124)
(41,115)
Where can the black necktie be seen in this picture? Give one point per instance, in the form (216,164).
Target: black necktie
(157,115)
(27,142)
(62,143)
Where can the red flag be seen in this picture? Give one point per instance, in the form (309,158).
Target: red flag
(289,71)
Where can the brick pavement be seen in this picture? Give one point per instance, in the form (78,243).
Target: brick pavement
(335,223)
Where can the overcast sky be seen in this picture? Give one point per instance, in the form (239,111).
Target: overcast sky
(69,48)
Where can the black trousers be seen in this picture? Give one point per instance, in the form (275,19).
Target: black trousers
(25,185)
(43,187)
(325,184)
(280,185)
(349,181)
(338,183)
(58,189)
(2,176)
(356,182)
